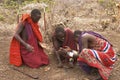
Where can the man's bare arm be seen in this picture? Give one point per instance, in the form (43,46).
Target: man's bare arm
(55,43)
(85,39)
(17,36)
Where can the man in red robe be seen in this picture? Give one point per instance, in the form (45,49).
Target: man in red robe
(26,46)
(64,44)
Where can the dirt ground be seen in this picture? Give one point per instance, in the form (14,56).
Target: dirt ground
(50,72)
(87,21)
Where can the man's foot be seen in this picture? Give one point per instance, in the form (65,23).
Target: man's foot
(71,65)
(99,78)
(60,65)
(94,71)
(68,65)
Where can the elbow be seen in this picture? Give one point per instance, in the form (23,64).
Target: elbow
(16,36)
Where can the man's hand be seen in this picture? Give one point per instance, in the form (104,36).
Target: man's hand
(43,45)
(67,48)
(62,50)
(29,48)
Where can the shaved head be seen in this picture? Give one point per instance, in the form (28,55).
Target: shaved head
(35,15)
(60,32)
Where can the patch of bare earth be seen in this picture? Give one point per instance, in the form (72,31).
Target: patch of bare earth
(50,72)
(83,20)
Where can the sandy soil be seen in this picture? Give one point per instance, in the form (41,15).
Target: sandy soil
(50,72)
(84,20)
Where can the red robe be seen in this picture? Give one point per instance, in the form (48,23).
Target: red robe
(69,41)
(101,56)
(18,52)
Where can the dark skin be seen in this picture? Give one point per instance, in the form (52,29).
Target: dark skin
(60,38)
(88,41)
(21,35)
(60,51)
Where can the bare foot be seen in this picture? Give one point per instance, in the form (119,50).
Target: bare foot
(70,65)
(99,78)
(60,65)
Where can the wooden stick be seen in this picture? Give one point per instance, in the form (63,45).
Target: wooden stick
(44,19)
(18,11)
(33,77)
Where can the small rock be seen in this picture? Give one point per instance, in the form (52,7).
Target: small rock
(85,79)
(47,68)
